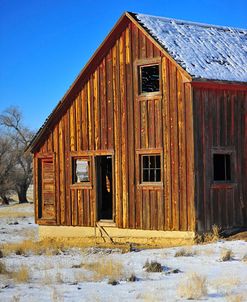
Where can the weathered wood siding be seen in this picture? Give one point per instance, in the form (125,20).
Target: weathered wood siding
(220,123)
(109,117)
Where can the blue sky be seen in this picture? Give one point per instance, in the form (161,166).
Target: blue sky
(45,43)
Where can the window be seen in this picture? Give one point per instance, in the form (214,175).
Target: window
(222,167)
(151,168)
(81,170)
(149,79)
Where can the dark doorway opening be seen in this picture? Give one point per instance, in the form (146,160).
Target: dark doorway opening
(104,187)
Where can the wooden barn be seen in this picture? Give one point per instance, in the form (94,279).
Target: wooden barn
(150,141)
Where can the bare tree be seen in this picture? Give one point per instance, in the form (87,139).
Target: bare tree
(7,163)
(20,136)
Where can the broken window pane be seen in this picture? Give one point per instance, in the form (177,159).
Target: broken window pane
(81,170)
(149,79)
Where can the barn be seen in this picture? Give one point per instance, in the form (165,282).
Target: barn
(150,141)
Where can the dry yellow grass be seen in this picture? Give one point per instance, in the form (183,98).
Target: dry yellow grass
(107,268)
(227,255)
(185,252)
(235,298)
(35,247)
(16,299)
(3,269)
(244,259)
(22,275)
(80,276)
(48,278)
(17,211)
(225,285)
(212,236)
(193,287)
(10,214)
(59,277)
(56,296)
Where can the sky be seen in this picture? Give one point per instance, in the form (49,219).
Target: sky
(44,44)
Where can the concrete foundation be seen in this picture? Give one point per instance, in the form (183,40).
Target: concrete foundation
(91,235)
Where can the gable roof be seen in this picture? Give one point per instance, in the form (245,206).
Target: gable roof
(205,51)
(199,50)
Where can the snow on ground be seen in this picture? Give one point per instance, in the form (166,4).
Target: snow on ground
(63,277)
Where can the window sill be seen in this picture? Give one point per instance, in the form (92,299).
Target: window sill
(150,185)
(81,186)
(149,96)
(223,185)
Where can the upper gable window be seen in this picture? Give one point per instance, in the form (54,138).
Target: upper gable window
(149,78)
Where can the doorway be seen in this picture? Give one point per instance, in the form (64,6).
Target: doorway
(104,187)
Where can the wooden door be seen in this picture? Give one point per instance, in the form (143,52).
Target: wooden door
(47,189)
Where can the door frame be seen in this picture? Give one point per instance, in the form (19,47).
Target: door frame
(37,190)
(97,154)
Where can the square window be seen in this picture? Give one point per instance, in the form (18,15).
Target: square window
(149,80)
(151,168)
(222,167)
(81,170)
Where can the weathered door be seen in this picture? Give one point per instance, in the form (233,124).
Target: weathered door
(46,189)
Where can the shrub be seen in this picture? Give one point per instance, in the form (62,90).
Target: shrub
(105,269)
(184,253)
(22,274)
(113,282)
(132,278)
(245,258)
(212,236)
(194,287)
(153,267)
(227,255)
(3,269)
(225,285)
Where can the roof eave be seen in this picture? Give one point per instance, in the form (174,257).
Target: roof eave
(224,84)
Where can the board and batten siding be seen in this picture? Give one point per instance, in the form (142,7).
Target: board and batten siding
(220,123)
(109,117)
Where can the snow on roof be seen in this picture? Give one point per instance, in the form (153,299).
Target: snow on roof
(204,51)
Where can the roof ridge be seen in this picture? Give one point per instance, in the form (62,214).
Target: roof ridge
(206,25)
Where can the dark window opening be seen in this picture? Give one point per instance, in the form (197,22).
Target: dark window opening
(222,167)
(151,168)
(149,79)
(81,170)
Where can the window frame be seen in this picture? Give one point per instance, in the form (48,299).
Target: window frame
(224,151)
(140,79)
(140,168)
(73,172)
(146,63)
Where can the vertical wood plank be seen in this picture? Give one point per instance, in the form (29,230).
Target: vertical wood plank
(167,144)
(96,102)
(124,131)
(130,126)
(174,147)
(182,154)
